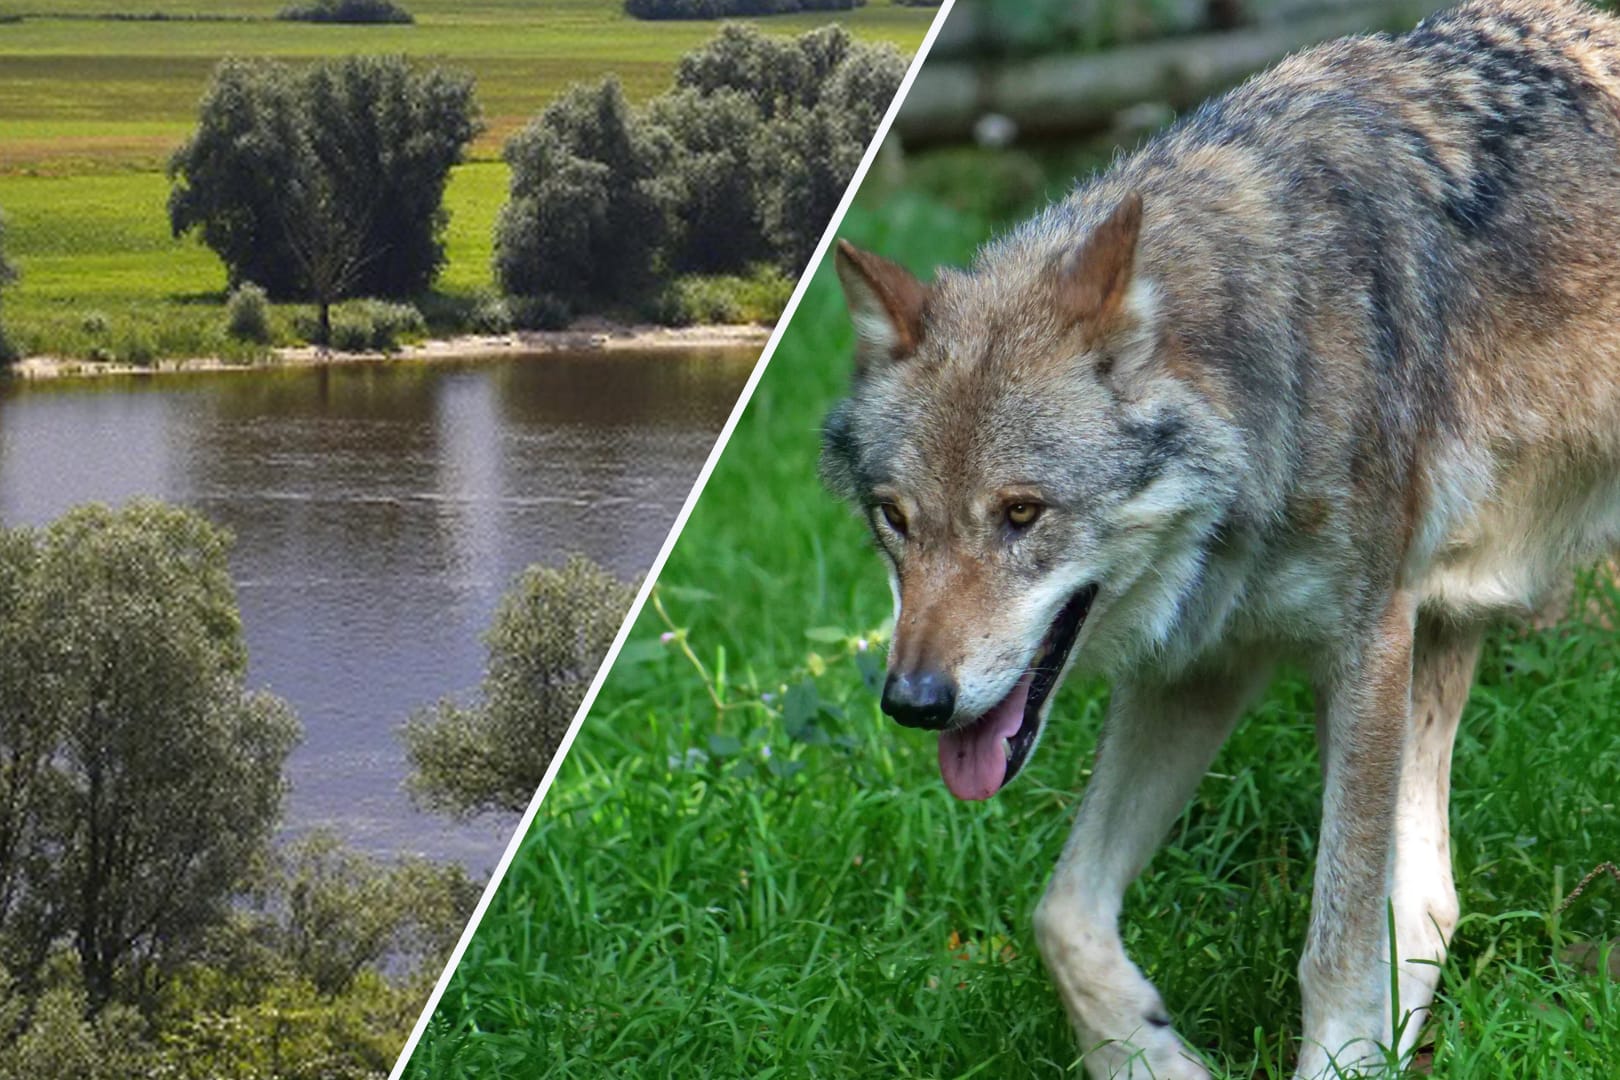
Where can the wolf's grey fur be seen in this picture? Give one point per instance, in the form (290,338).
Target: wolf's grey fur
(1329,371)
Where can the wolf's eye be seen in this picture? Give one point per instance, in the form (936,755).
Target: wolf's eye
(1023,514)
(896,520)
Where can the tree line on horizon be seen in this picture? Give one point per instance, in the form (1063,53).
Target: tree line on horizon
(150,923)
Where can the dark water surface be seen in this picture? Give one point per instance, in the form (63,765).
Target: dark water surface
(380,511)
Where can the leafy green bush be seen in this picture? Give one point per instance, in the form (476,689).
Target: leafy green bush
(372,326)
(8,274)
(542,312)
(345,11)
(138,346)
(247,314)
(756,298)
(490,315)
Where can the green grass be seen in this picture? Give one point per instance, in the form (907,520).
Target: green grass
(78,95)
(704,895)
(90,111)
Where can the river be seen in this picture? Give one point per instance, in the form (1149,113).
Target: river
(380,511)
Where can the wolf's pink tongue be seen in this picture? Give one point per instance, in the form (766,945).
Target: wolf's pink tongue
(973,760)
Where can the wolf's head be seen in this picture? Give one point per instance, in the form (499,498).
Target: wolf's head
(1040,474)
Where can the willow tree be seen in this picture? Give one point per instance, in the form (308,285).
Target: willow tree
(138,776)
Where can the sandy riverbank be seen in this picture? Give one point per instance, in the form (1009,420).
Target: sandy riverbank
(584,336)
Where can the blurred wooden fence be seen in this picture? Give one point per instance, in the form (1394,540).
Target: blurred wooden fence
(993,60)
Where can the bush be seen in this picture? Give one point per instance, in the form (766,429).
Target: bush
(346,11)
(757,298)
(138,346)
(327,181)
(8,274)
(543,312)
(372,326)
(247,314)
(490,315)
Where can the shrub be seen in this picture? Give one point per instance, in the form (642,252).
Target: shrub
(756,298)
(542,312)
(346,11)
(8,274)
(491,315)
(94,323)
(247,314)
(374,326)
(137,346)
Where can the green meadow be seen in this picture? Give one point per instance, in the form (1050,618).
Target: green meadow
(91,108)
(743,869)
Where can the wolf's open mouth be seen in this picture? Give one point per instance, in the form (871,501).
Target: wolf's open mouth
(977,759)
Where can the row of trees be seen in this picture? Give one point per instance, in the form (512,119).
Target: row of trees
(327,182)
(742,162)
(345,11)
(729,9)
(147,924)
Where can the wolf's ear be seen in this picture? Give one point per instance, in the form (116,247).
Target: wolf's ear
(886,303)
(1093,279)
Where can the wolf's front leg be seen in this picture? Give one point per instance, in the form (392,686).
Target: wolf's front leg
(1156,746)
(1364,703)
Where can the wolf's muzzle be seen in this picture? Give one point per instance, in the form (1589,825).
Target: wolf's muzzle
(924,699)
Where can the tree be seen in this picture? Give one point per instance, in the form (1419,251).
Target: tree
(586,214)
(51,1036)
(715,212)
(8,274)
(818,99)
(547,641)
(325,181)
(160,775)
(777,74)
(802,168)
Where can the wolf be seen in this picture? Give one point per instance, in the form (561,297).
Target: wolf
(1327,373)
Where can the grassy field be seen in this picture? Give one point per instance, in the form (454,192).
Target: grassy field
(704,894)
(90,110)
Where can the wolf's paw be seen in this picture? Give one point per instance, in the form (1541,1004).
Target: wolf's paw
(1361,1060)
(1155,1053)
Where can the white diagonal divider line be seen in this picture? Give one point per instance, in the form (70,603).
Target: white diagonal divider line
(651,579)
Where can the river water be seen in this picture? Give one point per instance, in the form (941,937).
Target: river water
(380,511)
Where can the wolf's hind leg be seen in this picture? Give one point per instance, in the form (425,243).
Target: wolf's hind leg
(1156,746)
(1425,899)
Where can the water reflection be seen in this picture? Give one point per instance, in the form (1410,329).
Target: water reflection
(380,511)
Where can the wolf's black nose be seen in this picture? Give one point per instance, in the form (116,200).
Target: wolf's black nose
(925,699)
